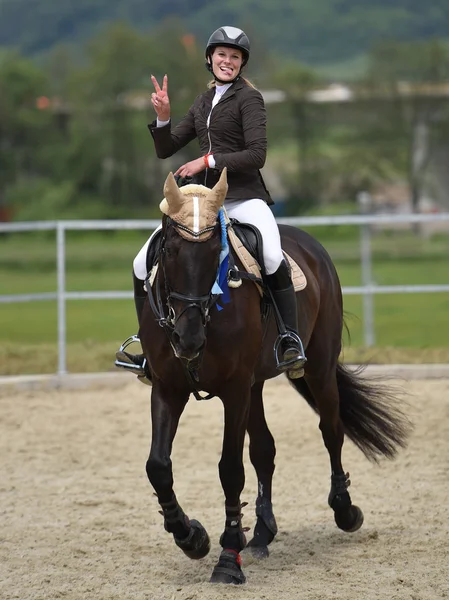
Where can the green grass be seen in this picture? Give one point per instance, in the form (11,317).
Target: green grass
(405,321)
(408,327)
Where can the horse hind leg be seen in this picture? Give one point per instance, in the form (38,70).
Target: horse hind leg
(262,453)
(322,395)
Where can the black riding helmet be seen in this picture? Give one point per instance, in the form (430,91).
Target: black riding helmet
(231,37)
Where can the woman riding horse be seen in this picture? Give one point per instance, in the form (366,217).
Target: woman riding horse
(229,121)
(191,345)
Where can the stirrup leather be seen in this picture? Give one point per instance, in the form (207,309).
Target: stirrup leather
(125,362)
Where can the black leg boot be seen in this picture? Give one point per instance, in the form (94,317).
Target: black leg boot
(283,295)
(135,363)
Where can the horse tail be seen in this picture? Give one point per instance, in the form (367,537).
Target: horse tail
(368,411)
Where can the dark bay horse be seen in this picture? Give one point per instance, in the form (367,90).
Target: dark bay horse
(193,341)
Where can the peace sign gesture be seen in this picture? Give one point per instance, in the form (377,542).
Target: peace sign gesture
(160,100)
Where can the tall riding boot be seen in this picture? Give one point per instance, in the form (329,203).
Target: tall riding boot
(283,293)
(136,363)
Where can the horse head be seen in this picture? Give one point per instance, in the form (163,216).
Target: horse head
(189,257)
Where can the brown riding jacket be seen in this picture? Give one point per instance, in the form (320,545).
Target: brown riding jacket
(236,137)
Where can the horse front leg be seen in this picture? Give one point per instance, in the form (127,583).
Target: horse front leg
(232,476)
(166,410)
(262,452)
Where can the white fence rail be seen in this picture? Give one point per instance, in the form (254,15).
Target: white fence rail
(367,290)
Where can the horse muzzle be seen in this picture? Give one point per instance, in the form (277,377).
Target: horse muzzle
(188,346)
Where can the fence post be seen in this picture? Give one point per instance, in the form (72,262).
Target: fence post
(60,265)
(364,202)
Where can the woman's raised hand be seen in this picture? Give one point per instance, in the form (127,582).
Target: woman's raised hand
(160,100)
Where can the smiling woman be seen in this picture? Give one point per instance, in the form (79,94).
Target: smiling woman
(226,63)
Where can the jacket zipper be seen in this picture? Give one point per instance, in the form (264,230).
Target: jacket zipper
(210,142)
(208,132)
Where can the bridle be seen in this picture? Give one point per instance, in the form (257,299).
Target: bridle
(168,321)
(202,303)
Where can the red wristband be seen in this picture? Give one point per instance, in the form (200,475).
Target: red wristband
(206,159)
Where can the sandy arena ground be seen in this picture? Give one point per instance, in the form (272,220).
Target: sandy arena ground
(78,519)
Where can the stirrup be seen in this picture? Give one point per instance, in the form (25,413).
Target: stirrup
(293,359)
(125,360)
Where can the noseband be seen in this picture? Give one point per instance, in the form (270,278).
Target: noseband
(203,303)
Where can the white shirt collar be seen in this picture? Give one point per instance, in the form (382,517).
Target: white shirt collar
(221,89)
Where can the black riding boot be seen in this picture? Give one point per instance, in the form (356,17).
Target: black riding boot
(292,351)
(135,363)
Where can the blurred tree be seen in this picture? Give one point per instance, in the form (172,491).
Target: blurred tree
(411,79)
(324,31)
(112,151)
(297,81)
(26,128)
(105,159)
(58,64)
(78,135)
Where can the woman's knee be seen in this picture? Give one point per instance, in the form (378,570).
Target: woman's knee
(139,269)
(140,263)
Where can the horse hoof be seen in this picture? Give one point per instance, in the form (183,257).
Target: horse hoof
(197,544)
(252,554)
(228,569)
(349,520)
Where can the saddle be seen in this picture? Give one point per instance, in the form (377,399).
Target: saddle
(246,241)
(247,244)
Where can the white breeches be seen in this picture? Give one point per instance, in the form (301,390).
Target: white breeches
(257,213)
(140,262)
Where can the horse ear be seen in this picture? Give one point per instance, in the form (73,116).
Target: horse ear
(173,197)
(220,189)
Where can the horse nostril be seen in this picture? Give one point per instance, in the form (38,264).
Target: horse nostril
(188,345)
(176,338)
